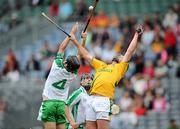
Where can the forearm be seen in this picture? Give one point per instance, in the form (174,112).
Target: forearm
(64,44)
(83,52)
(133,45)
(68,115)
(131,49)
(83,45)
(83,42)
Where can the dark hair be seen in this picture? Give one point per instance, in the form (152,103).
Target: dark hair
(72,63)
(115,59)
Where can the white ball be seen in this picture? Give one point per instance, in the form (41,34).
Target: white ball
(91,7)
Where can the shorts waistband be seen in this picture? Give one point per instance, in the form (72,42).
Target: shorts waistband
(97,95)
(53,100)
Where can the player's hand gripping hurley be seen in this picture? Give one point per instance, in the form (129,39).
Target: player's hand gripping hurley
(91,11)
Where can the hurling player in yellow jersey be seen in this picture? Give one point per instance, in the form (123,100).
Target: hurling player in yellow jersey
(105,79)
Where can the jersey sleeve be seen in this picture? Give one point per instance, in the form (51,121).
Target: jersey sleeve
(59,60)
(74,98)
(95,63)
(122,68)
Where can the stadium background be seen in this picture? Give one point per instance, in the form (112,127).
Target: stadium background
(149,94)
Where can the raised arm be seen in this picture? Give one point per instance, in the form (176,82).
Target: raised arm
(64,44)
(133,45)
(83,35)
(83,52)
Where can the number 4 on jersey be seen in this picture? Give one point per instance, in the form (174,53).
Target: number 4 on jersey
(60,84)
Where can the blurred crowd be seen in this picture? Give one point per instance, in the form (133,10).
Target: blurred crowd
(57,8)
(2,111)
(157,57)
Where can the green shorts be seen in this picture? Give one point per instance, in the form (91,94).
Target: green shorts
(52,111)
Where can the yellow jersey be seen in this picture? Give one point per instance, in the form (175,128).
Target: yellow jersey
(106,77)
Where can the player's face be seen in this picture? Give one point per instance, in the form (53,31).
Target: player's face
(65,64)
(86,81)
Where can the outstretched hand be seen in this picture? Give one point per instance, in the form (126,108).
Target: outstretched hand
(74,28)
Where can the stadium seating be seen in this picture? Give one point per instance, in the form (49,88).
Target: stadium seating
(160,120)
(137,8)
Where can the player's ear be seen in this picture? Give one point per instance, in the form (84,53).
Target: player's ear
(65,62)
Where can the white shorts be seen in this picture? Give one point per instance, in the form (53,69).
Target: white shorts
(98,107)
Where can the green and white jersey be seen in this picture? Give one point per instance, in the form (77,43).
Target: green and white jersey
(58,81)
(77,104)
